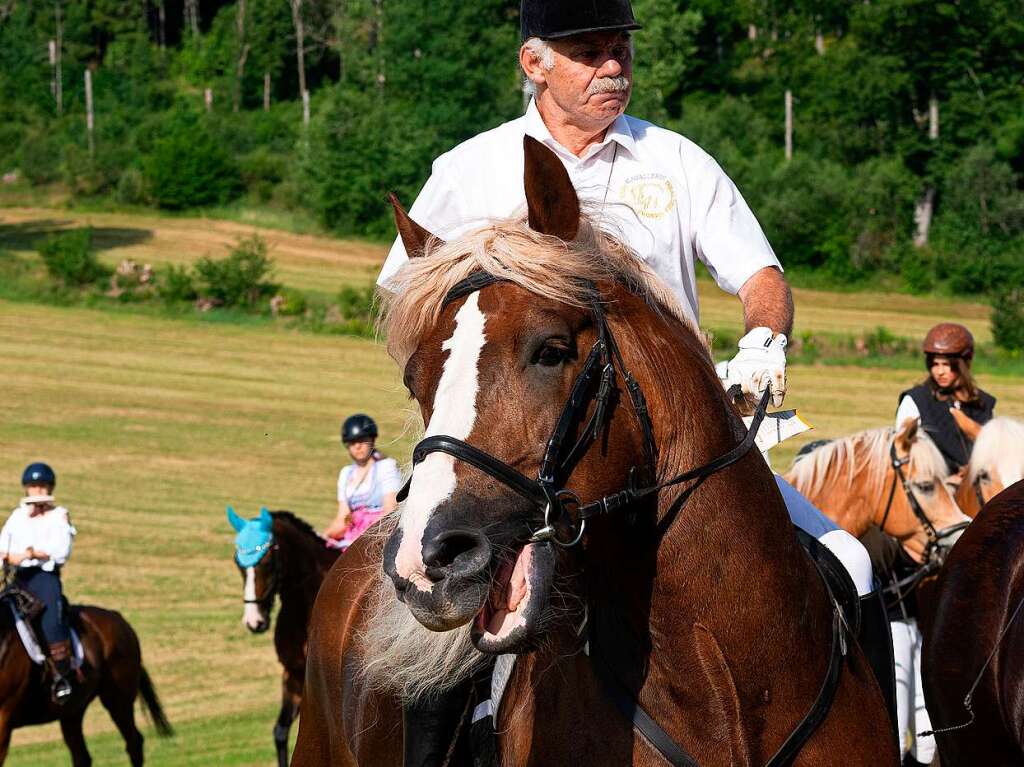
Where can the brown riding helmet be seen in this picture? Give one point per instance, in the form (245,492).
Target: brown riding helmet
(949,339)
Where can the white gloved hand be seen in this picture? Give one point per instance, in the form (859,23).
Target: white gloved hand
(760,361)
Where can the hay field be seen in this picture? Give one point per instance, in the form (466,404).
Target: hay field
(322,265)
(154,424)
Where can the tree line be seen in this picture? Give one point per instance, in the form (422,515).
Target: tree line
(906,117)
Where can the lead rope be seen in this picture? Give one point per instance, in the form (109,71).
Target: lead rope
(969,698)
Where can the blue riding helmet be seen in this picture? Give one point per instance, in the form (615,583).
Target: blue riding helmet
(254,539)
(38,474)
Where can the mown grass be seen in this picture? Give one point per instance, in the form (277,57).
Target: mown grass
(154,424)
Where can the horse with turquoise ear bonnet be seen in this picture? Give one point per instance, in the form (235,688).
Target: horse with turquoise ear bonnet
(280,555)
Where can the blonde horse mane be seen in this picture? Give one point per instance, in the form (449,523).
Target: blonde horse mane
(867,452)
(511,250)
(1000,445)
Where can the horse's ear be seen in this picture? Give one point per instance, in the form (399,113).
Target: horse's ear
(907,435)
(236,521)
(551,199)
(414,237)
(265,519)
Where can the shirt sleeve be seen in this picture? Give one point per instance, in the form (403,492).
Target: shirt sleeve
(5,537)
(390,476)
(907,409)
(438,208)
(342,480)
(727,237)
(60,535)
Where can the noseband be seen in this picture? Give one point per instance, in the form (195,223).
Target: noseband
(595,384)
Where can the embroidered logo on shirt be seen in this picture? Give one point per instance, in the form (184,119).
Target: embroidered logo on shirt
(649,195)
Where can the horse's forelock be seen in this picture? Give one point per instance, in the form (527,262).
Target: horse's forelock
(926,462)
(543,265)
(1000,445)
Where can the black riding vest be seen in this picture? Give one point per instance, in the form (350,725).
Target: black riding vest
(938,422)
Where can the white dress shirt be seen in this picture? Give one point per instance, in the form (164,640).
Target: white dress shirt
(669,199)
(50,532)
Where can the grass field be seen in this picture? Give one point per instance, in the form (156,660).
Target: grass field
(154,424)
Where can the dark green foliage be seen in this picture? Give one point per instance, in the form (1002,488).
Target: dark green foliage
(71,260)
(175,285)
(241,279)
(189,167)
(1008,317)
(358,304)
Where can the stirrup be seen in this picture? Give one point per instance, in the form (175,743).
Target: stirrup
(61,690)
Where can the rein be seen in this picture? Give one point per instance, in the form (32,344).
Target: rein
(548,492)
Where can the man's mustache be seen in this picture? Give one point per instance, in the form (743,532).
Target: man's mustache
(608,85)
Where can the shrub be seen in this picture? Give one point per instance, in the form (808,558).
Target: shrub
(189,167)
(131,187)
(289,303)
(40,158)
(70,259)
(175,285)
(241,279)
(1008,318)
(358,304)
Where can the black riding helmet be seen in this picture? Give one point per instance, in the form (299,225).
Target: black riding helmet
(358,427)
(38,474)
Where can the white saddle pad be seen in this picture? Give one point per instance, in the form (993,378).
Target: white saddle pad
(35,652)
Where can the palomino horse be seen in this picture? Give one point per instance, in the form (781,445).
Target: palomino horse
(280,555)
(997,461)
(892,479)
(974,647)
(690,609)
(112,669)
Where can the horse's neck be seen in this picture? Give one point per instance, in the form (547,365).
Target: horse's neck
(304,562)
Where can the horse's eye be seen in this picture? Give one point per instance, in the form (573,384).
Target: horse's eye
(983,476)
(926,487)
(550,355)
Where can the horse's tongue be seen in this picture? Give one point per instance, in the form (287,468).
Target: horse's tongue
(517,583)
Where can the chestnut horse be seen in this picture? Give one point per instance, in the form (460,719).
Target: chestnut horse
(856,482)
(112,669)
(280,555)
(974,645)
(693,602)
(997,461)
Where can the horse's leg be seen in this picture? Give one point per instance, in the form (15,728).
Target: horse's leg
(291,697)
(71,729)
(121,708)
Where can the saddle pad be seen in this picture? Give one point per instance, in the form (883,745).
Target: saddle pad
(35,652)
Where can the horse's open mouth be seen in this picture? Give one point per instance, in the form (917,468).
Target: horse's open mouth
(519,593)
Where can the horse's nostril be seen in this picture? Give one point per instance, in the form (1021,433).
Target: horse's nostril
(464,551)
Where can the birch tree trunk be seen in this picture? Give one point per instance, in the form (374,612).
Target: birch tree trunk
(243,52)
(789,125)
(192,15)
(378,8)
(58,78)
(926,205)
(161,34)
(266,91)
(300,51)
(89,120)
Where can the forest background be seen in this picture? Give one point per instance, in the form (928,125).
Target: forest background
(907,141)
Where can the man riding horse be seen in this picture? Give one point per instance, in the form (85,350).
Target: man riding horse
(669,199)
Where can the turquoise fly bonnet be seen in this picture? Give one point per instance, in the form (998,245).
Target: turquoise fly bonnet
(254,538)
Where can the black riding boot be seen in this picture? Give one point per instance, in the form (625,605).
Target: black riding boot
(875,639)
(60,663)
(432,726)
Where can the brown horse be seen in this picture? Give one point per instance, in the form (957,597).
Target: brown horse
(695,602)
(280,555)
(112,669)
(980,592)
(997,461)
(854,481)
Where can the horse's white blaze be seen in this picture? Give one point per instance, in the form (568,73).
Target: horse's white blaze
(454,414)
(251,618)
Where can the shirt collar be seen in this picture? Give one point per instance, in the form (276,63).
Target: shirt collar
(619,132)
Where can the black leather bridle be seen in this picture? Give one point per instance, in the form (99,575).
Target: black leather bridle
(595,385)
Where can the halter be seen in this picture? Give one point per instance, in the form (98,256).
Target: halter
(549,492)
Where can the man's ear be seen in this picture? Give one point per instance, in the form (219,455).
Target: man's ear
(414,237)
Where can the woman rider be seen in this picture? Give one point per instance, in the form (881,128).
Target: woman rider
(36,539)
(367,488)
(949,404)
(952,409)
